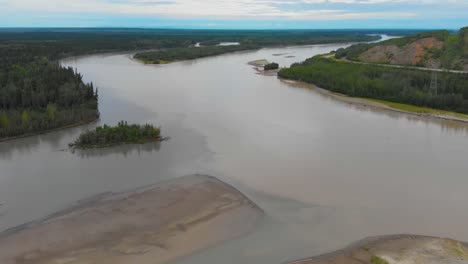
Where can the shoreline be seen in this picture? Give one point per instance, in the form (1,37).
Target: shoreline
(142,142)
(77,124)
(150,62)
(380,104)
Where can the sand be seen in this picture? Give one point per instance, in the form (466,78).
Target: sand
(155,224)
(397,249)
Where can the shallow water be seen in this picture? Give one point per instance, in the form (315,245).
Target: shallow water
(327,173)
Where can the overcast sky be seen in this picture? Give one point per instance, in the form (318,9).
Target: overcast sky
(276,14)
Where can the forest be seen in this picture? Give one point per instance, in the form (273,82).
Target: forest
(400,85)
(40,95)
(189,53)
(123,133)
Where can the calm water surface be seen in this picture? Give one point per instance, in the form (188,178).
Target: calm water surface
(326,172)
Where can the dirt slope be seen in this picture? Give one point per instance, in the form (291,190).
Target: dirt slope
(415,53)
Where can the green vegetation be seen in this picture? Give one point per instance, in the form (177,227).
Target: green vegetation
(121,134)
(453,55)
(266,38)
(190,53)
(378,260)
(397,85)
(271,66)
(418,109)
(40,96)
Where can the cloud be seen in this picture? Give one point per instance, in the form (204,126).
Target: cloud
(236,9)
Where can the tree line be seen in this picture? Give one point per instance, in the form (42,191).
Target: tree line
(401,85)
(41,95)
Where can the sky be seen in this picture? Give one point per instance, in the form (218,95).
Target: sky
(236,14)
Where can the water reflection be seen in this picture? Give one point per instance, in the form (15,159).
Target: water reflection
(446,125)
(55,140)
(124,150)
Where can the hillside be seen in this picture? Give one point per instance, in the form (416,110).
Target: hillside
(437,49)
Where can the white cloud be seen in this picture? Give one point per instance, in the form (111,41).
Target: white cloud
(217,8)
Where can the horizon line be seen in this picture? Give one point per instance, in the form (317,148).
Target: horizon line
(227,28)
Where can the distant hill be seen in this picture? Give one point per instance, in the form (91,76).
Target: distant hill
(438,49)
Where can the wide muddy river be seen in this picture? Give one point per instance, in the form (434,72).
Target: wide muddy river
(326,173)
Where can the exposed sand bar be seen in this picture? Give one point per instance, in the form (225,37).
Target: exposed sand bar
(404,249)
(156,224)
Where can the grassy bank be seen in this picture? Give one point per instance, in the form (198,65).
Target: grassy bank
(418,109)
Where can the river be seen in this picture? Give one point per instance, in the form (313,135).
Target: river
(326,173)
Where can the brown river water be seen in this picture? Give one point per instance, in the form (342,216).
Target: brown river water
(326,173)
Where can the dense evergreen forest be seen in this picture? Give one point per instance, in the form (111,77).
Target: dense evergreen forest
(36,94)
(123,133)
(40,95)
(399,85)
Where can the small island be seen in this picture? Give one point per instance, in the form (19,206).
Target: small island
(123,133)
(271,66)
(169,55)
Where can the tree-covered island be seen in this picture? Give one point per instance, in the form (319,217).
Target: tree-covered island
(271,66)
(189,53)
(123,133)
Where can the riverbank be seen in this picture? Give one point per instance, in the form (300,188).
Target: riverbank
(153,224)
(422,112)
(77,124)
(396,249)
(148,61)
(393,84)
